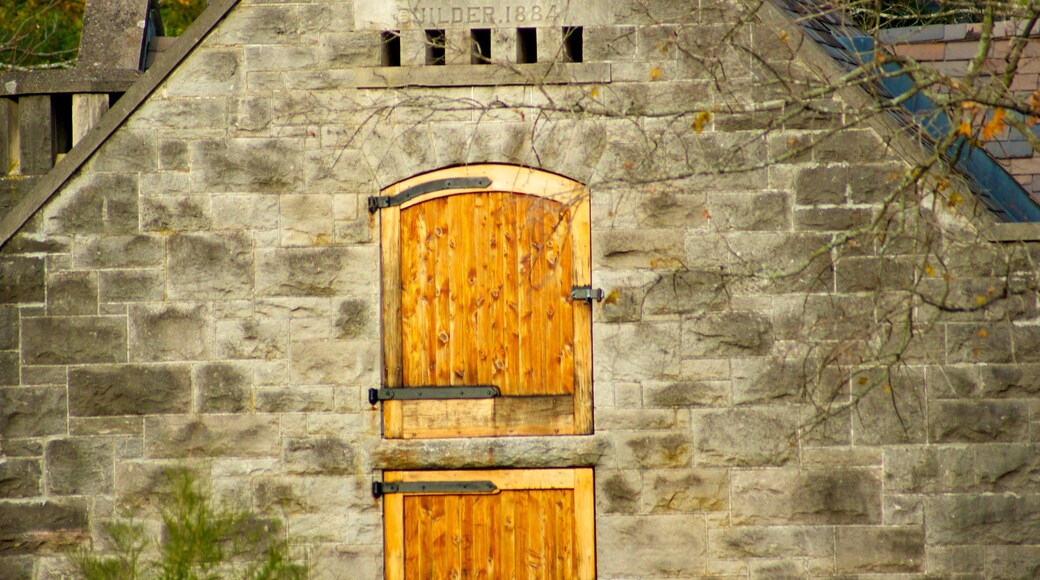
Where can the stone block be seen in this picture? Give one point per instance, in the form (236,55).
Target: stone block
(245,211)
(946,561)
(131,285)
(210,266)
(175,213)
(96,203)
(351,271)
(1009,468)
(745,437)
(42,527)
(1010,562)
(252,339)
(767,211)
(128,151)
(73,340)
(732,333)
(890,406)
(872,183)
(684,292)
(978,343)
(773,380)
(956,519)
(646,450)
(328,455)
(20,478)
(831,219)
(669,207)
(296,400)
(354,319)
(787,496)
(634,419)
(978,421)
(338,362)
(10,368)
(618,491)
(22,448)
(821,185)
(169,332)
(17,567)
(365,562)
(173,153)
(313,494)
(21,280)
(70,293)
(211,72)
(903,510)
(107,426)
(306,220)
(636,351)
(686,393)
(9,327)
(79,466)
(33,411)
(646,248)
(880,549)
(246,165)
(222,387)
(108,390)
(739,542)
(644,546)
(685,491)
(929,470)
(120,251)
(212,436)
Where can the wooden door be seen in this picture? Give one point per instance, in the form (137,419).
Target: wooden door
(538,524)
(477,291)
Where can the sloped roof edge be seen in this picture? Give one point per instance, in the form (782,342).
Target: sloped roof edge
(63,170)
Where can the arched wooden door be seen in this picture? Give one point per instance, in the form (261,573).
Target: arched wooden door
(480,264)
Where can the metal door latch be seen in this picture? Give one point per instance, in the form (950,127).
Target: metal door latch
(587,294)
(432,393)
(381,488)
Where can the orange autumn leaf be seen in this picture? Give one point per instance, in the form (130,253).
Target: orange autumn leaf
(655,73)
(995,125)
(964,129)
(700,120)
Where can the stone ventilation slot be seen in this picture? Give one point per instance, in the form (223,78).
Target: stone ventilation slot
(572,44)
(435,47)
(390,48)
(526,45)
(480,46)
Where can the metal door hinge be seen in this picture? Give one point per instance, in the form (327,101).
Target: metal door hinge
(432,393)
(381,488)
(587,293)
(377,203)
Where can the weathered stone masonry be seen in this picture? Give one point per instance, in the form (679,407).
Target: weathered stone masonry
(204,290)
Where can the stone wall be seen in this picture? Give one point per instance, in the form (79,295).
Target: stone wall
(204,292)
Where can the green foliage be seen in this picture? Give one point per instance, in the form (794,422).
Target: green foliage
(39,32)
(178,14)
(199,542)
(45,33)
(871,14)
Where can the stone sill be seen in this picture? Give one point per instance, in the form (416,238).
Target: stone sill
(491,452)
(1017,232)
(74,80)
(482,75)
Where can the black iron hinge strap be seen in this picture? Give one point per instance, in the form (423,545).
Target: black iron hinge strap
(378,202)
(432,393)
(380,488)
